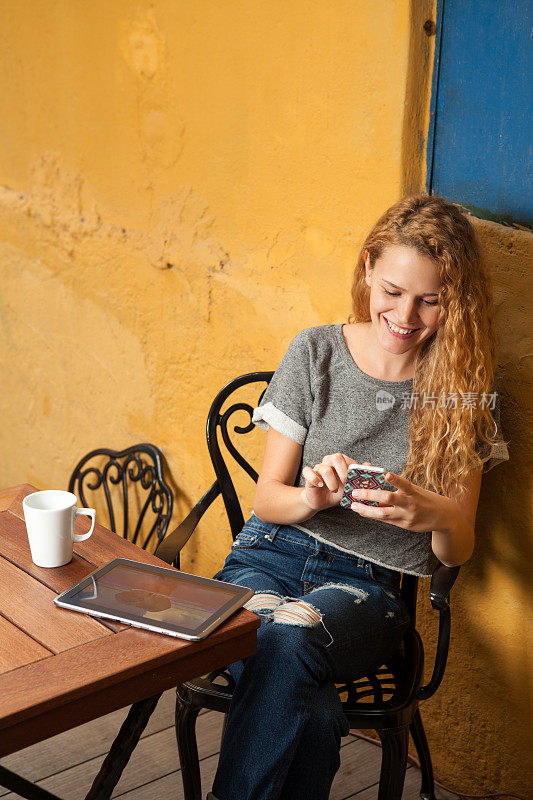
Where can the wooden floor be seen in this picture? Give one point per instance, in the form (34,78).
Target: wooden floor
(67,764)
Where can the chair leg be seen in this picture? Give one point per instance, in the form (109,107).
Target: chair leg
(427,791)
(187,748)
(394,745)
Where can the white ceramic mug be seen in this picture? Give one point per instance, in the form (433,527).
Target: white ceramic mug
(50,518)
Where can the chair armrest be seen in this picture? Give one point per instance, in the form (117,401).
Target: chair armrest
(442,581)
(169,548)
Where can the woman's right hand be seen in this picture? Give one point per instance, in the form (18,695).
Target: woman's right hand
(324,484)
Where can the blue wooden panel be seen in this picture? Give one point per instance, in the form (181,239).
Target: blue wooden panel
(482,100)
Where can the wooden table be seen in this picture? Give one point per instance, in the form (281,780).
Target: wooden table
(59,668)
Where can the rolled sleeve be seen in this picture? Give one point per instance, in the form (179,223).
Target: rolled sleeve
(287,403)
(269,416)
(498,451)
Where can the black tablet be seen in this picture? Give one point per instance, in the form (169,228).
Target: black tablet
(159,599)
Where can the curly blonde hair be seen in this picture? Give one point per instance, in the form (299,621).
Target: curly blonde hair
(445,444)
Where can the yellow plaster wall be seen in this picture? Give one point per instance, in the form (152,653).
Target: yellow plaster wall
(183,187)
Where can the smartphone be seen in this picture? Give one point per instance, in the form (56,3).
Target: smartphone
(361,477)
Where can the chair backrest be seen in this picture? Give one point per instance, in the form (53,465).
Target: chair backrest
(219,419)
(130,485)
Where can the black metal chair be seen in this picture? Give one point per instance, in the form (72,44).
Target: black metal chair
(132,483)
(386,701)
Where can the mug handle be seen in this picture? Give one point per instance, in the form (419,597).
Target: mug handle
(89,512)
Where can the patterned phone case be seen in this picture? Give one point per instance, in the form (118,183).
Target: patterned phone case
(361,478)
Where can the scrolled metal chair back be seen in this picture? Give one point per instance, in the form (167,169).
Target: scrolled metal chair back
(218,420)
(129,480)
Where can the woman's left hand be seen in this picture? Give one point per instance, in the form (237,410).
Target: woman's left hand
(410,507)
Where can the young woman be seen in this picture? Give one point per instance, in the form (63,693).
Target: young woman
(406,385)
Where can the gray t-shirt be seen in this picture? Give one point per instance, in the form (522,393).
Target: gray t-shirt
(320,398)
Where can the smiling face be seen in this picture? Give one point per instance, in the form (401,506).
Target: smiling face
(404,307)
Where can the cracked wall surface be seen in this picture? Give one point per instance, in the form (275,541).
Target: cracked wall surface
(182,189)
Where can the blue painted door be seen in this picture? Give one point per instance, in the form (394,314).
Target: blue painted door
(480,146)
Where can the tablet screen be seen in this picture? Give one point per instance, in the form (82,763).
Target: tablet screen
(152,594)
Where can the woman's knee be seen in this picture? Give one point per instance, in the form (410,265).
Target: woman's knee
(292,634)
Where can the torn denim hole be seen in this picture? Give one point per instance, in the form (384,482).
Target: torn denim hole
(299,612)
(263,601)
(359,593)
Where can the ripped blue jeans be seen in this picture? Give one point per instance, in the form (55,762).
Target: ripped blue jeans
(326,617)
